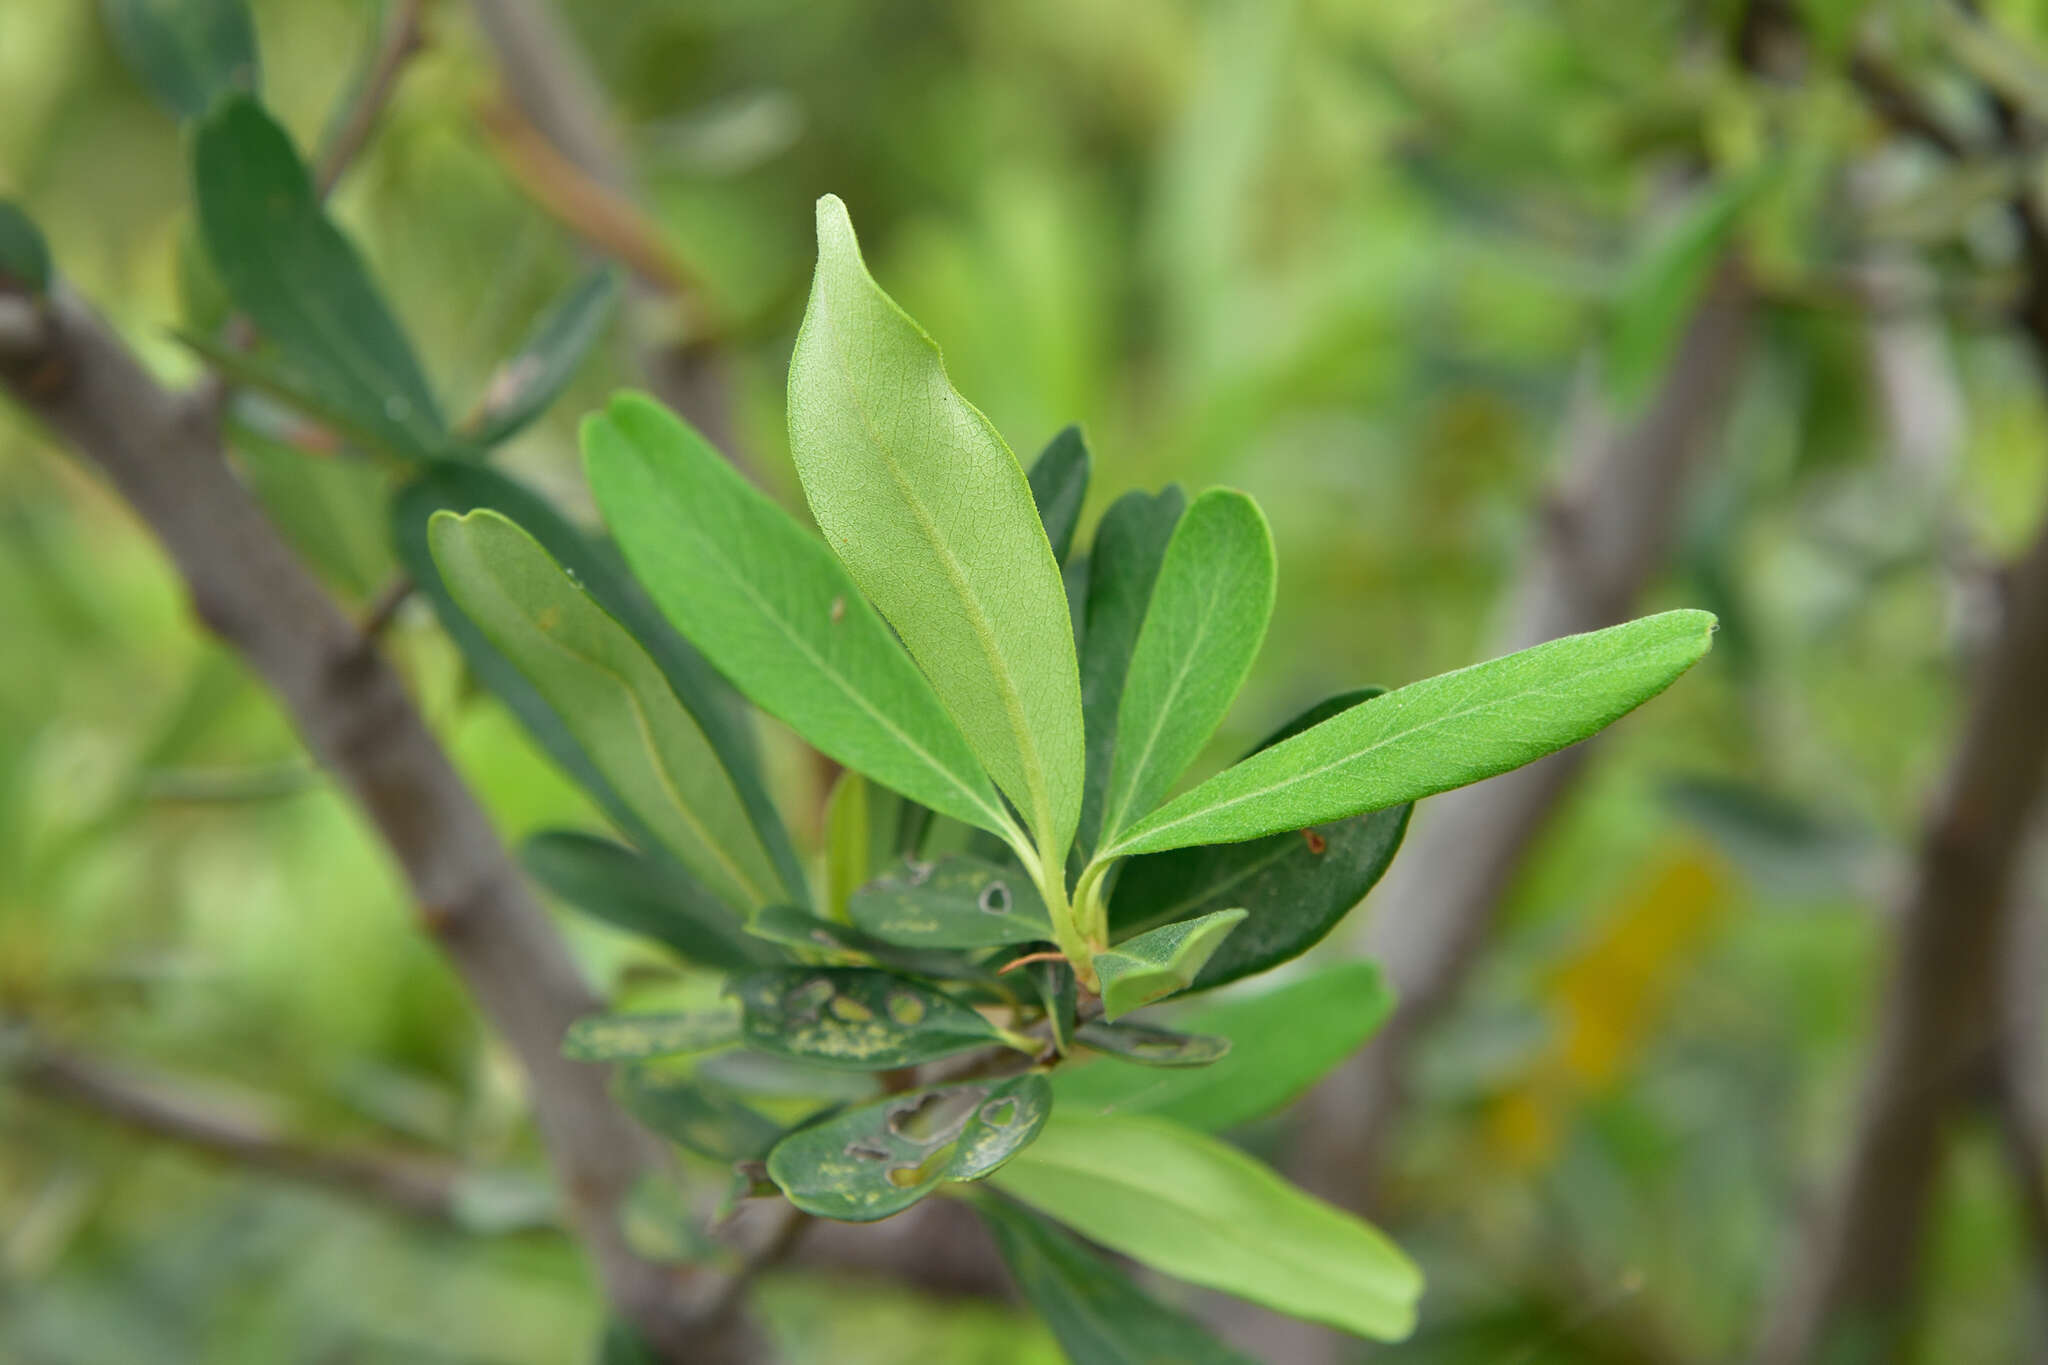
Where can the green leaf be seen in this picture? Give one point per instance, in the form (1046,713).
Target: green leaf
(933,517)
(1159,962)
(855,1018)
(524,386)
(1434,735)
(331,510)
(775,611)
(697,1117)
(1281,1043)
(843,944)
(644,894)
(24,255)
(1205,1212)
(1060,994)
(881,1158)
(266,372)
(610,695)
(1203,628)
(1665,283)
(1297,886)
(300,281)
(1098,1315)
(1059,485)
(953,902)
(1149,1047)
(636,1037)
(463,486)
(849,841)
(1129,547)
(189,53)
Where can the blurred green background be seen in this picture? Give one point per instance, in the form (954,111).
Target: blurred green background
(1379,265)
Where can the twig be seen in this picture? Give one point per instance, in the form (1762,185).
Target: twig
(416,1186)
(384,608)
(401,39)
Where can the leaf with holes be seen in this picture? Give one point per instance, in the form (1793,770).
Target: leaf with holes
(1431,736)
(464,486)
(881,1158)
(636,1037)
(952,902)
(695,1116)
(1059,485)
(1157,963)
(301,282)
(857,1019)
(1095,1311)
(610,696)
(1147,1046)
(642,893)
(843,944)
(1202,629)
(772,608)
(933,517)
(1297,886)
(1202,1211)
(1281,1043)
(188,52)
(524,386)
(1130,544)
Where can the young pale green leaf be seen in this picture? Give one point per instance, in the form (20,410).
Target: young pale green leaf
(775,611)
(1059,485)
(952,902)
(463,486)
(697,1117)
(881,1158)
(1147,1046)
(301,282)
(1098,1315)
(1203,628)
(1433,735)
(849,841)
(1281,1043)
(24,255)
(642,893)
(526,384)
(189,53)
(636,1037)
(933,517)
(1129,547)
(1297,886)
(855,1018)
(609,695)
(1159,962)
(1205,1212)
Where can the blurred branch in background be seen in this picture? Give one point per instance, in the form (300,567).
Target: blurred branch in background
(415,1185)
(1604,533)
(556,138)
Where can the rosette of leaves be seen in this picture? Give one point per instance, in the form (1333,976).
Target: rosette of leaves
(1015,717)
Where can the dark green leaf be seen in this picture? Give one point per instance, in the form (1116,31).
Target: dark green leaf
(1129,545)
(24,255)
(856,1018)
(775,610)
(1281,1043)
(1149,1046)
(697,1117)
(301,282)
(267,372)
(525,385)
(1098,1315)
(1297,885)
(636,1037)
(648,896)
(1158,962)
(881,1158)
(188,52)
(932,516)
(953,902)
(845,944)
(1431,736)
(1059,485)
(462,486)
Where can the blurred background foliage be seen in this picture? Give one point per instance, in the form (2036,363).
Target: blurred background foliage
(1373,264)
